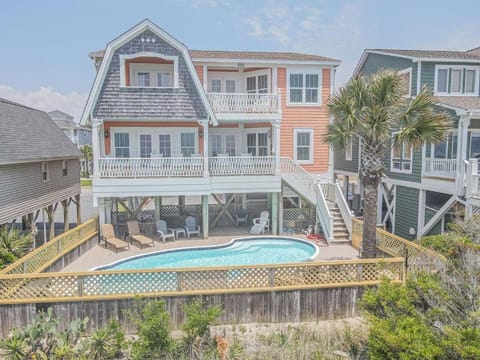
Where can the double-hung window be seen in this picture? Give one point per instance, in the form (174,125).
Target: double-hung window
(122,145)
(257,144)
(164,79)
(143,79)
(303,145)
(145,145)
(64,167)
(304,88)
(401,158)
(187,144)
(230,86)
(216,144)
(45,174)
(257,84)
(456,80)
(216,86)
(164,145)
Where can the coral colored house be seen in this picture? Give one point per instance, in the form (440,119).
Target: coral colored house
(204,133)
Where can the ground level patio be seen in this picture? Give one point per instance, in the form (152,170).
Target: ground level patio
(99,255)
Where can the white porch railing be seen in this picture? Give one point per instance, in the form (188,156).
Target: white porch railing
(343,207)
(308,186)
(446,168)
(244,103)
(242,165)
(151,167)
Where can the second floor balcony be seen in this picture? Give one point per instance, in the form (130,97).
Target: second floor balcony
(185,166)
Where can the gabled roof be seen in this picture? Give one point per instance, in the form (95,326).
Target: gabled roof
(30,135)
(471,56)
(198,55)
(124,38)
(59,114)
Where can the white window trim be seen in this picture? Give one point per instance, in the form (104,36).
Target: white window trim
(44,165)
(123,58)
(256,74)
(401,171)
(407,71)
(456,67)
(304,70)
(295,131)
(349,150)
(134,138)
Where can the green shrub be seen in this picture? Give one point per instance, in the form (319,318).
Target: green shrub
(152,322)
(198,320)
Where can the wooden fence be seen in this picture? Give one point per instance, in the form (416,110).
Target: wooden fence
(416,256)
(42,257)
(102,285)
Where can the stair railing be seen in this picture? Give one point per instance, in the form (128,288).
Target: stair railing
(343,207)
(309,187)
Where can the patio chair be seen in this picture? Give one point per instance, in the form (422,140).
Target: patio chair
(163,231)
(191,226)
(109,238)
(136,235)
(263,219)
(241,216)
(259,227)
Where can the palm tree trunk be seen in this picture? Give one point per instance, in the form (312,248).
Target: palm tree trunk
(369,241)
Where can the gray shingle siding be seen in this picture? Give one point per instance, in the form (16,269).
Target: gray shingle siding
(115,102)
(23,189)
(406,211)
(375,62)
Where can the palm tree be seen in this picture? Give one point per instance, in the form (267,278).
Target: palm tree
(88,154)
(374,110)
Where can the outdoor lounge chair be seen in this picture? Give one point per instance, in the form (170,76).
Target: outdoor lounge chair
(263,219)
(163,231)
(259,227)
(135,234)
(191,226)
(110,238)
(241,216)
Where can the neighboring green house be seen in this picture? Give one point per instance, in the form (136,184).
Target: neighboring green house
(424,186)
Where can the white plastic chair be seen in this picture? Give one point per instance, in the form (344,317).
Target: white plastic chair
(191,226)
(163,231)
(263,219)
(241,216)
(259,227)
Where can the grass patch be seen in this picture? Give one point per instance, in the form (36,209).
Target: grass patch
(85,182)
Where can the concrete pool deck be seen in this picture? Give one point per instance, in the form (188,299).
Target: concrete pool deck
(99,256)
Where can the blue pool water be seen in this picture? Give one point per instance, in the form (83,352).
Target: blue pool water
(249,251)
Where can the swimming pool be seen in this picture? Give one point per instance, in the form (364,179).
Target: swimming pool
(244,251)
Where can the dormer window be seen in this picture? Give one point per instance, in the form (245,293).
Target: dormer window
(148,70)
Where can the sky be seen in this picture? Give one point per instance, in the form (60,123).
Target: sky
(44,45)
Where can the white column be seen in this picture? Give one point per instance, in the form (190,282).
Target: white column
(379,203)
(96,128)
(204,124)
(101,210)
(274,80)
(241,145)
(276,145)
(275,214)
(205,77)
(205,221)
(421,213)
(462,151)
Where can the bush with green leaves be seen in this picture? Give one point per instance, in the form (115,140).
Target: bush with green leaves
(152,322)
(13,245)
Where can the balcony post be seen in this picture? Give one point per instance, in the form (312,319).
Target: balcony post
(276,144)
(204,124)
(96,128)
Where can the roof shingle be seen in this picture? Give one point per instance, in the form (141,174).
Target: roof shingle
(433,54)
(29,134)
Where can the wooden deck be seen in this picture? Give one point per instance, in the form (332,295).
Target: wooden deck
(99,256)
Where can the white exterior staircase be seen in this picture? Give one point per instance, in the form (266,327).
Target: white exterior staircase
(332,210)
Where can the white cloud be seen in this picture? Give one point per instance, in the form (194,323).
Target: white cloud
(47,99)
(308,29)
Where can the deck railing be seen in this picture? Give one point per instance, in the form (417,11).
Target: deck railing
(151,167)
(416,256)
(242,165)
(444,168)
(244,103)
(51,287)
(40,258)
(472,180)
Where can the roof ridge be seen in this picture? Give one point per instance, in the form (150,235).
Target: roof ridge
(10,102)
